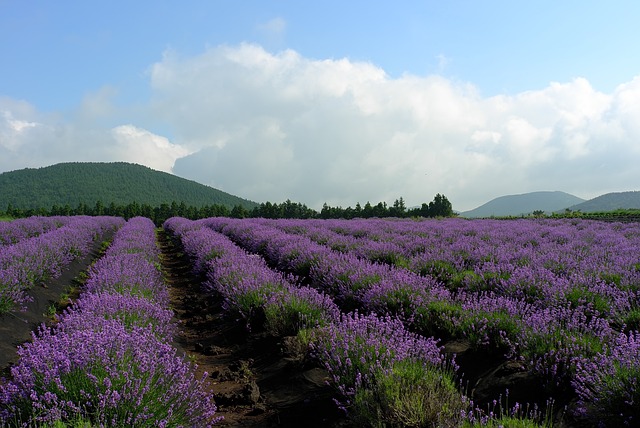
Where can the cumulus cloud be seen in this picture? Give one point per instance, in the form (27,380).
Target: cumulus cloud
(31,139)
(138,145)
(276,126)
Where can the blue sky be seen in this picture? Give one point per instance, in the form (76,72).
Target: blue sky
(337,102)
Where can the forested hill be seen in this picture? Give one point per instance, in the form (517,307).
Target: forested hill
(119,183)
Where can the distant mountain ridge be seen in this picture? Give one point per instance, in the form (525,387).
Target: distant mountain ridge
(120,183)
(523,204)
(609,202)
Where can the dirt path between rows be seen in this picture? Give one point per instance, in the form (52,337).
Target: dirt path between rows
(257,380)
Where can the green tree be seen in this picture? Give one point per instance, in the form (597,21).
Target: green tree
(398,209)
(238,211)
(367,211)
(440,207)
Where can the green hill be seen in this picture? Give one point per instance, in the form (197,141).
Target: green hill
(120,183)
(515,205)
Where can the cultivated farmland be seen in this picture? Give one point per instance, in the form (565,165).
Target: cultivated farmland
(529,322)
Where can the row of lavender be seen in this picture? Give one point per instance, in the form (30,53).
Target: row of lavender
(571,341)
(14,231)
(383,372)
(547,262)
(108,359)
(33,260)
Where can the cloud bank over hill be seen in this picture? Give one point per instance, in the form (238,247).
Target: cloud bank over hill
(272,126)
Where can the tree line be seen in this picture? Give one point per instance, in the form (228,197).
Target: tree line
(439,207)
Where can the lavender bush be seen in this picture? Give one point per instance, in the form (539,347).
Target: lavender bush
(131,311)
(107,374)
(410,394)
(34,260)
(286,314)
(14,231)
(365,355)
(107,361)
(552,293)
(609,384)
(249,288)
(127,273)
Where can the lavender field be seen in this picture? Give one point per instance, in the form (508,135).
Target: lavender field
(555,300)
(435,323)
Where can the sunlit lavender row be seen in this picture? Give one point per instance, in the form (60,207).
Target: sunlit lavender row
(31,261)
(108,359)
(558,295)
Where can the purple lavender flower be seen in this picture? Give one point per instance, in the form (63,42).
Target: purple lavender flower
(107,374)
(608,385)
(127,273)
(34,260)
(358,347)
(132,311)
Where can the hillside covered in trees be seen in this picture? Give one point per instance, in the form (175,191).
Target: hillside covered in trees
(119,183)
(130,190)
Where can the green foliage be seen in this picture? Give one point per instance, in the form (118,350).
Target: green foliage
(438,319)
(250,302)
(611,278)
(468,280)
(604,212)
(490,328)
(537,345)
(287,314)
(6,304)
(442,270)
(411,394)
(616,403)
(128,190)
(77,423)
(630,320)
(579,296)
(506,421)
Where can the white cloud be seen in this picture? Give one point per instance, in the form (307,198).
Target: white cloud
(274,26)
(138,145)
(347,132)
(268,126)
(99,104)
(31,139)
(12,129)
